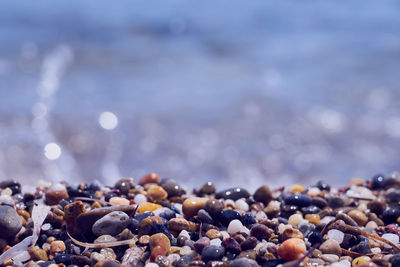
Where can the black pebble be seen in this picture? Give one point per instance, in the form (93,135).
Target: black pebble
(212,253)
(226,216)
(298,200)
(315,238)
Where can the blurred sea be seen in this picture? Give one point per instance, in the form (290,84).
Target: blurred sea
(234,92)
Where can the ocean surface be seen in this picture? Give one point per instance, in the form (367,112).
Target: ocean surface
(237,92)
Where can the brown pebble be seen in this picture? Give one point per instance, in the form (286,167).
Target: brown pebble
(261,232)
(377,206)
(178,224)
(250,254)
(331,246)
(150,179)
(263,194)
(157,193)
(144,240)
(359,217)
(191,206)
(201,243)
(292,249)
(249,243)
(57,247)
(159,245)
(213,233)
(207,188)
(108,263)
(291,233)
(214,207)
(346,218)
(54,197)
(38,254)
(146,224)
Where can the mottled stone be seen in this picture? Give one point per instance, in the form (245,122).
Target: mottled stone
(10,222)
(111,224)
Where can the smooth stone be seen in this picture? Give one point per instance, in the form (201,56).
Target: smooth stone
(376,206)
(200,244)
(233,193)
(13,185)
(336,234)
(204,217)
(319,202)
(10,222)
(393,196)
(157,193)
(104,239)
(234,227)
(108,263)
(214,207)
(148,206)
(392,238)
(335,202)
(331,246)
(330,257)
(85,220)
(261,232)
(390,215)
(346,218)
(178,224)
(248,219)
(118,201)
(362,247)
(378,181)
(263,194)
(111,224)
(249,243)
(292,249)
(298,200)
(124,185)
(226,216)
(149,179)
(315,238)
(54,197)
(191,206)
(243,262)
(395,260)
(359,217)
(212,253)
(173,189)
(159,245)
(207,189)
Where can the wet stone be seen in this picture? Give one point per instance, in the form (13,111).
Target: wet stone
(390,215)
(243,262)
(54,197)
(298,200)
(124,185)
(214,207)
(212,253)
(207,189)
(362,248)
(191,206)
(226,216)
(149,178)
(171,187)
(263,194)
(200,244)
(111,224)
(233,193)
(204,216)
(261,232)
(10,222)
(231,245)
(335,202)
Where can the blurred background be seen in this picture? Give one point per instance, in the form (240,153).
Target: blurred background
(239,93)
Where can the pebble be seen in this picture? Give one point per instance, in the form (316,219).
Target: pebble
(105,239)
(204,216)
(111,224)
(291,233)
(214,207)
(172,188)
(159,245)
(212,253)
(226,216)
(261,232)
(243,262)
(140,198)
(191,206)
(392,238)
(292,249)
(157,193)
(331,246)
(315,238)
(330,257)
(233,193)
(10,222)
(241,204)
(359,260)
(298,200)
(263,194)
(359,217)
(178,224)
(207,189)
(38,254)
(216,241)
(124,185)
(201,243)
(148,206)
(54,197)
(213,233)
(295,219)
(235,226)
(336,234)
(57,247)
(150,178)
(118,201)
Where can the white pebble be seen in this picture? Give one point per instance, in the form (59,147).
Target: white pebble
(6,200)
(151,264)
(58,187)
(225,235)
(229,203)
(282,227)
(260,216)
(215,242)
(173,258)
(140,198)
(330,257)
(327,219)
(185,250)
(241,204)
(46,226)
(157,212)
(185,234)
(245,231)
(234,227)
(345,263)
(392,238)
(314,191)
(376,250)
(6,192)
(178,207)
(336,234)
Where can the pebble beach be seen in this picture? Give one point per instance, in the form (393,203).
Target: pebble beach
(156,222)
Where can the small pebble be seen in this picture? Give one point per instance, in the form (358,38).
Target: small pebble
(234,227)
(212,253)
(10,222)
(118,201)
(292,249)
(139,199)
(331,246)
(191,206)
(392,238)
(263,194)
(111,224)
(336,234)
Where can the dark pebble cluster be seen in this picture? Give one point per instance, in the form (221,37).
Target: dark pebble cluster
(156,222)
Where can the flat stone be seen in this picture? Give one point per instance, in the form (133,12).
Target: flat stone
(10,222)
(54,197)
(191,206)
(233,193)
(111,224)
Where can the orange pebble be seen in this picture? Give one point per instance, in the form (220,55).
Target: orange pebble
(148,206)
(159,245)
(292,249)
(149,179)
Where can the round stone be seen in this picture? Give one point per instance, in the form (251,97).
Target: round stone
(191,206)
(171,187)
(53,197)
(392,238)
(378,181)
(234,227)
(336,234)
(150,179)
(331,246)
(233,193)
(212,253)
(263,194)
(139,199)
(390,215)
(226,216)
(10,222)
(124,185)
(157,193)
(292,249)
(214,207)
(261,232)
(111,224)
(358,216)
(207,189)
(315,238)
(298,200)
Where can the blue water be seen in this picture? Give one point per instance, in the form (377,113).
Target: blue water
(237,92)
